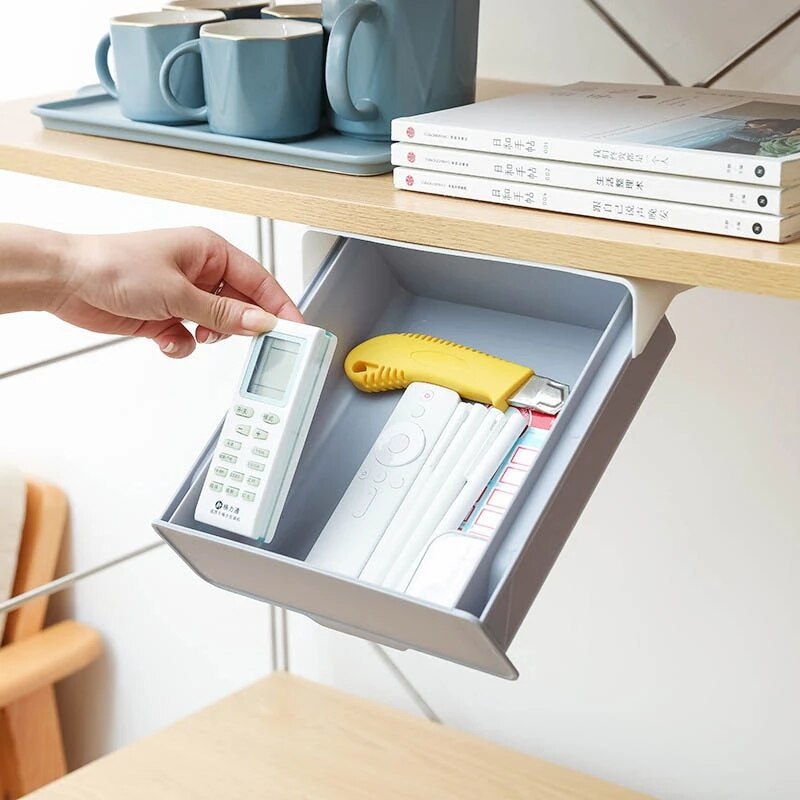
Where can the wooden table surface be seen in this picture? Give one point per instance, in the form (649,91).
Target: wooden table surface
(287,739)
(370,206)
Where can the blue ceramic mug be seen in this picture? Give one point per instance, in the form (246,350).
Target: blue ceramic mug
(232,9)
(308,12)
(140,43)
(261,77)
(393,58)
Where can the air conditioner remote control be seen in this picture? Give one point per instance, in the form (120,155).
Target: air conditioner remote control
(263,435)
(383,479)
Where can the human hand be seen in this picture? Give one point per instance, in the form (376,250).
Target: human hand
(146,284)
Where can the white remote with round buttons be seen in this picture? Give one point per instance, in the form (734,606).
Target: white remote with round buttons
(383,479)
(263,435)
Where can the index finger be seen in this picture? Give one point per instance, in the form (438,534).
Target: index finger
(249,278)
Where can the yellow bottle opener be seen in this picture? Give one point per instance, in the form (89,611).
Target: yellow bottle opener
(394,360)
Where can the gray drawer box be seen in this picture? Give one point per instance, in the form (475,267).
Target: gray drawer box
(573,327)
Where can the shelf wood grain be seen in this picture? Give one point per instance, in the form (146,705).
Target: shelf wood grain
(285,738)
(371,207)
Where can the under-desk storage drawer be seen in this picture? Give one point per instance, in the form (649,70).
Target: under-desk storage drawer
(572,327)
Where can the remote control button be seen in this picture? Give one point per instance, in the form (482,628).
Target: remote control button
(243,411)
(379,475)
(233,444)
(260,452)
(249,496)
(221,471)
(260,434)
(237,476)
(417,411)
(271,419)
(243,430)
(427,395)
(253,481)
(228,458)
(363,503)
(397,483)
(232,491)
(363,474)
(256,466)
(400,444)
(215,487)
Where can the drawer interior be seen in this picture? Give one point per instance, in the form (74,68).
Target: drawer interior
(552,321)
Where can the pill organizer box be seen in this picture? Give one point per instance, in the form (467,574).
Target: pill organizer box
(584,329)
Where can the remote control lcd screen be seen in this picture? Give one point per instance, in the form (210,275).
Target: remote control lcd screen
(274,369)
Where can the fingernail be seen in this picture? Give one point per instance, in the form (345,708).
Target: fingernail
(168,348)
(212,337)
(256,320)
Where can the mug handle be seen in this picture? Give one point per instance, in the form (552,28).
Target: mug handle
(101,66)
(199,114)
(336,63)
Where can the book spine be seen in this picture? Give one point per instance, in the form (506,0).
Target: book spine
(646,158)
(695,191)
(593,204)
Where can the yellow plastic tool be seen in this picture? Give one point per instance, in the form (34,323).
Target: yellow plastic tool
(395,360)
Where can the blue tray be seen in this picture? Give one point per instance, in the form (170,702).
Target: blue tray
(94,112)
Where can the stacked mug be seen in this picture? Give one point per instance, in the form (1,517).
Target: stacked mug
(260,72)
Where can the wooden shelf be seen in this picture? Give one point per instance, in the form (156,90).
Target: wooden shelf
(370,206)
(285,738)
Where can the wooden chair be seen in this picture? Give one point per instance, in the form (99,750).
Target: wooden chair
(33,658)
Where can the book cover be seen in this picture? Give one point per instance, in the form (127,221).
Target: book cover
(587,177)
(743,224)
(705,133)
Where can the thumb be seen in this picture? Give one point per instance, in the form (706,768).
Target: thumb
(222,314)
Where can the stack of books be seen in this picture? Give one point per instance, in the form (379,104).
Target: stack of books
(704,160)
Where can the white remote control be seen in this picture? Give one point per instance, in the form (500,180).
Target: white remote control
(264,432)
(443,457)
(384,478)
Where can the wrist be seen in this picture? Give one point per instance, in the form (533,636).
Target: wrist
(57,271)
(35,268)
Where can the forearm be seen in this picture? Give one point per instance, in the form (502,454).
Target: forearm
(33,268)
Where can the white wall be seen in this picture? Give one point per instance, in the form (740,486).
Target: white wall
(661,652)
(558,41)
